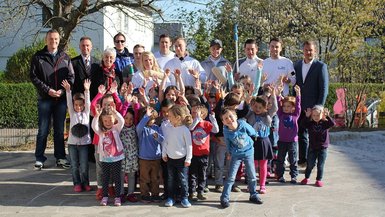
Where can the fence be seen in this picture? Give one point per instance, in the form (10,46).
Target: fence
(16,137)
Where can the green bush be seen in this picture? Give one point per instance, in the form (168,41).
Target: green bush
(18,106)
(18,65)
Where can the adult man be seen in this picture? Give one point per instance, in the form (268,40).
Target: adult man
(164,54)
(277,67)
(190,68)
(49,67)
(123,58)
(138,50)
(84,66)
(313,79)
(249,64)
(214,60)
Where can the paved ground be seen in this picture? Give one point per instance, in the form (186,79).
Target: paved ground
(354,186)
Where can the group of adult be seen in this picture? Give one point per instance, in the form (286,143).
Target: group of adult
(50,66)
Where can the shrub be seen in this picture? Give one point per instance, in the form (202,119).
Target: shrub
(18,65)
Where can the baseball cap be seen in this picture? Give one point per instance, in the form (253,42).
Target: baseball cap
(216,42)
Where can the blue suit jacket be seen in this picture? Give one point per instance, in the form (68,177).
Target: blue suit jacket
(314,89)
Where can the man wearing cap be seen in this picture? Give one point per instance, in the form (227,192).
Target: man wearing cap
(214,60)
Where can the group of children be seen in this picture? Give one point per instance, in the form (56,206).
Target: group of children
(169,132)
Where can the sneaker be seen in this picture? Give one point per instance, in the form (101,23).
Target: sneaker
(193,196)
(78,188)
(132,198)
(99,194)
(225,203)
(169,202)
(156,199)
(206,190)
(38,165)
(235,189)
(319,183)
(104,201)
(202,196)
(293,180)
(63,163)
(185,203)
(281,179)
(304,181)
(262,190)
(256,199)
(117,201)
(87,188)
(111,191)
(145,199)
(218,188)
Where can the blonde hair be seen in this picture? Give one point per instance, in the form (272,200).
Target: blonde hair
(155,66)
(183,112)
(105,112)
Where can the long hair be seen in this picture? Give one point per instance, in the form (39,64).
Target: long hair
(183,112)
(155,66)
(105,112)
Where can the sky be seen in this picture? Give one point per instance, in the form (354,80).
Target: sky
(169,7)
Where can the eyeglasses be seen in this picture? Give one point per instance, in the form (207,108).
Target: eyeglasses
(120,41)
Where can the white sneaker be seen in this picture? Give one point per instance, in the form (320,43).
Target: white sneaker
(38,165)
(63,163)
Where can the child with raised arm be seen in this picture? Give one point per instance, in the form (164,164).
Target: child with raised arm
(110,149)
(79,135)
(289,109)
(177,152)
(150,153)
(238,137)
(318,123)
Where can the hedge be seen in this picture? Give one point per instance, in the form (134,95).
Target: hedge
(18,102)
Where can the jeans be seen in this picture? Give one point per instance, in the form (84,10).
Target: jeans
(250,171)
(220,158)
(79,164)
(47,109)
(314,155)
(197,176)
(211,163)
(291,149)
(177,172)
(303,140)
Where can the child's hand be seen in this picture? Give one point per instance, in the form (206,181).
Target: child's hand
(194,73)
(165,159)
(326,113)
(123,89)
(279,89)
(102,89)
(228,68)
(285,79)
(308,112)
(142,91)
(186,164)
(260,64)
(134,100)
(66,85)
(155,135)
(127,97)
(114,87)
(112,106)
(167,73)
(149,111)
(98,110)
(264,77)
(297,90)
(87,84)
(130,88)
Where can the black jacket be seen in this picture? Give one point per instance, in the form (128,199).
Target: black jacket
(81,74)
(48,72)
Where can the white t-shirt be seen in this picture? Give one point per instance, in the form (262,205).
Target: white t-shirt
(184,65)
(249,67)
(138,81)
(163,59)
(274,68)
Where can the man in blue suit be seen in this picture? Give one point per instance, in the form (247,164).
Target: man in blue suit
(313,78)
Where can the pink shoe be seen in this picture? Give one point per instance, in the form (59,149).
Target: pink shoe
(117,201)
(319,183)
(104,201)
(262,190)
(99,194)
(78,188)
(304,181)
(87,188)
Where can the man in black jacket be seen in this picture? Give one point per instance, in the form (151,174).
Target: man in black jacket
(49,67)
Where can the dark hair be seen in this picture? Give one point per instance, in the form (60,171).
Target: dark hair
(189,88)
(226,110)
(231,99)
(164,36)
(85,38)
(138,46)
(250,41)
(52,31)
(260,100)
(179,38)
(166,103)
(119,34)
(203,110)
(78,96)
(310,42)
(276,39)
(193,100)
(171,87)
(131,111)
(105,96)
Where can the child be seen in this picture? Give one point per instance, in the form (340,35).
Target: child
(79,135)
(288,113)
(177,152)
(318,123)
(260,118)
(200,131)
(130,143)
(110,149)
(150,138)
(239,144)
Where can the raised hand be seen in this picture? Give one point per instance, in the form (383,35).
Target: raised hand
(228,68)
(308,112)
(134,100)
(142,91)
(87,84)
(130,88)
(114,87)
(149,110)
(123,89)
(102,89)
(326,113)
(297,90)
(167,72)
(66,85)
(260,64)
(98,110)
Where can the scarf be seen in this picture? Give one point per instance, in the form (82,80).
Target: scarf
(110,75)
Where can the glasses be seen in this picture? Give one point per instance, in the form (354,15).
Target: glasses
(120,41)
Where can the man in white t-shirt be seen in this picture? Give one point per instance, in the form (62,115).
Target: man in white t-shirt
(249,64)
(277,67)
(164,54)
(190,68)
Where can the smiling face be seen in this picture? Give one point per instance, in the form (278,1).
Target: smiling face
(78,105)
(215,51)
(148,62)
(275,48)
(165,111)
(164,45)
(316,115)
(108,59)
(171,95)
(119,42)
(85,47)
(288,107)
(52,40)
(309,52)
(128,119)
(258,108)
(251,50)
(180,48)
(108,121)
(229,119)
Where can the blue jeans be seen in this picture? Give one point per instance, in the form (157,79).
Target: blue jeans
(314,155)
(47,109)
(177,170)
(250,171)
(289,148)
(79,164)
(220,158)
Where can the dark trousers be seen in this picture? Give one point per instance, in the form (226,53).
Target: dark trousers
(289,148)
(303,140)
(111,170)
(314,155)
(79,164)
(165,177)
(177,173)
(197,173)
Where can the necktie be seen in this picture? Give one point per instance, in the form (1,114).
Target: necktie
(88,66)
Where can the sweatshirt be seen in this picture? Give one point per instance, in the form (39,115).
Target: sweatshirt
(149,146)
(200,133)
(239,141)
(288,122)
(318,132)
